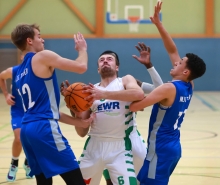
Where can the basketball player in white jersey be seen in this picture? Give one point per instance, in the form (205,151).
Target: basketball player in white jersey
(138,144)
(170,102)
(112,126)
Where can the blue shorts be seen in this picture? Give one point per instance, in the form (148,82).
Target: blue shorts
(46,149)
(156,172)
(16,122)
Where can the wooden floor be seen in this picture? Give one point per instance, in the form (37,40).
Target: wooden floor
(200,162)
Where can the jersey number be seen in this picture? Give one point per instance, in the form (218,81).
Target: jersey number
(26,89)
(175,126)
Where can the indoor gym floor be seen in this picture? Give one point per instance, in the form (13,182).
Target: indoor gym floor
(200,138)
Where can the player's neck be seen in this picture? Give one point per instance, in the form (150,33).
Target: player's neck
(106,81)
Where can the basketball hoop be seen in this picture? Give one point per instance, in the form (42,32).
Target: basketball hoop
(133,23)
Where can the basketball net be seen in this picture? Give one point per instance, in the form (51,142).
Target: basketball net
(133,23)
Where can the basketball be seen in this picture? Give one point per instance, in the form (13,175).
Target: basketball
(74,98)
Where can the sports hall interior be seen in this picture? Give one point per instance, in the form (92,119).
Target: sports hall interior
(116,25)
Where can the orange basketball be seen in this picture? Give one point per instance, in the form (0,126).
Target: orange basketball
(74,98)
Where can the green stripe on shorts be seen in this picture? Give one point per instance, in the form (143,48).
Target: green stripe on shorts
(129,162)
(132,181)
(130,170)
(86,143)
(129,155)
(106,174)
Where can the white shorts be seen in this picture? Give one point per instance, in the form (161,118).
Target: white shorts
(139,150)
(100,153)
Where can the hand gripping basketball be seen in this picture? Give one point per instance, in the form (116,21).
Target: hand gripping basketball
(74,98)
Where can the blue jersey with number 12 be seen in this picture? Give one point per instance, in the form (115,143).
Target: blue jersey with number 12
(17,108)
(40,96)
(165,122)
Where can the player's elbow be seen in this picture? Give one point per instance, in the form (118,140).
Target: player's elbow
(139,95)
(82,68)
(81,134)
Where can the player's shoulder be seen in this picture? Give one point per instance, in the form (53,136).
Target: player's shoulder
(127,78)
(166,87)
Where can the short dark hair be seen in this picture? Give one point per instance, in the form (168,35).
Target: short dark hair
(20,34)
(196,66)
(109,52)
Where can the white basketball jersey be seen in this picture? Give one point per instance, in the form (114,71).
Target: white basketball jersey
(113,117)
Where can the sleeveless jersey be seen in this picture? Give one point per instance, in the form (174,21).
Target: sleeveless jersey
(40,96)
(165,122)
(113,117)
(16,109)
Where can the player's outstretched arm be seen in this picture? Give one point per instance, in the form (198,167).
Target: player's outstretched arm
(49,59)
(164,94)
(131,93)
(144,59)
(64,118)
(167,40)
(4,75)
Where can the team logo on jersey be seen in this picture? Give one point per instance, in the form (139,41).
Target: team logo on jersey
(102,100)
(108,108)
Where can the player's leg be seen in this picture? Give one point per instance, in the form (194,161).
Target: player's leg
(48,139)
(107,177)
(28,150)
(139,150)
(156,172)
(73,177)
(16,149)
(42,180)
(90,161)
(119,163)
(27,169)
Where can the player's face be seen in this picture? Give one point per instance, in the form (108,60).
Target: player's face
(107,66)
(179,68)
(37,42)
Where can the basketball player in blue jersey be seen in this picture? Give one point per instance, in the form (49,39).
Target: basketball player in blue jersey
(47,150)
(17,113)
(170,102)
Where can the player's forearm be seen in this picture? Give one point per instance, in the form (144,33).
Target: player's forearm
(64,118)
(124,95)
(167,39)
(155,77)
(83,60)
(82,132)
(3,87)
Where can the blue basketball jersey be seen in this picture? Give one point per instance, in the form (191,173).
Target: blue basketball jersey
(165,122)
(17,108)
(40,96)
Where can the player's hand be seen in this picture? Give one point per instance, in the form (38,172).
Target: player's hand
(87,122)
(144,57)
(63,87)
(9,99)
(80,42)
(96,94)
(156,17)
